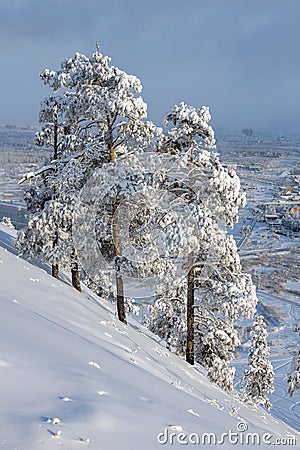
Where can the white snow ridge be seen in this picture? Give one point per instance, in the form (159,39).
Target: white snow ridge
(64,384)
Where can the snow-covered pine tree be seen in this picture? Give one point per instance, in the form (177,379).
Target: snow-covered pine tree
(208,197)
(110,122)
(258,378)
(44,197)
(294,375)
(216,341)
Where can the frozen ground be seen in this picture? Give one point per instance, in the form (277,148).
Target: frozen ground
(73,376)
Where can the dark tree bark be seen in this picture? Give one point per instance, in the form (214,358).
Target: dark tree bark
(119,279)
(55,271)
(55,153)
(190,353)
(190,304)
(75,271)
(116,237)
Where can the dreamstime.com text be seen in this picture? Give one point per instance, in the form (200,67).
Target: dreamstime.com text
(175,435)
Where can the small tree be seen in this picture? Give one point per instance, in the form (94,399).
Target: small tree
(258,378)
(48,201)
(216,340)
(294,376)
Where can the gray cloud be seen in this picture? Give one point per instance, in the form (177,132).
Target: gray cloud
(239,57)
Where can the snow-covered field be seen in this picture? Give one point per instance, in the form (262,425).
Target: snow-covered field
(73,376)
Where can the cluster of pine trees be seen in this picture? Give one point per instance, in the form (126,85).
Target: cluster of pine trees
(124,198)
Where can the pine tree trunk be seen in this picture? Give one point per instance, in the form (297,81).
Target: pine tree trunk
(190,303)
(116,237)
(55,271)
(75,271)
(55,137)
(119,279)
(190,354)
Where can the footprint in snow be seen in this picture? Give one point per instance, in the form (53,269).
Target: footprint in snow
(84,441)
(94,364)
(66,399)
(54,421)
(191,411)
(55,435)
(133,360)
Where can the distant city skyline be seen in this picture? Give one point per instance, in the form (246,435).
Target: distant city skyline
(240,58)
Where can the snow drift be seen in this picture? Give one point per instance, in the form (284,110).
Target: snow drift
(72,375)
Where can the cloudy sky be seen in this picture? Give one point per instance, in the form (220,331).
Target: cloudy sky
(240,57)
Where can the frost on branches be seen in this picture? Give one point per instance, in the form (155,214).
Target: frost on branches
(206,200)
(94,118)
(258,379)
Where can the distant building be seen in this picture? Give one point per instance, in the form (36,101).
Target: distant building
(7,197)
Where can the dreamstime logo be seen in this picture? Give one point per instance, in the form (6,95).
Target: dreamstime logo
(130,213)
(175,435)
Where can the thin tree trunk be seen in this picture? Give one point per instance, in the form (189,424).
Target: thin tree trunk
(55,132)
(75,271)
(55,266)
(116,237)
(190,303)
(55,147)
(119,279)
(55,271)
(190,353)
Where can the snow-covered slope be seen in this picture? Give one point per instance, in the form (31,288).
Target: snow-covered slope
(65,356)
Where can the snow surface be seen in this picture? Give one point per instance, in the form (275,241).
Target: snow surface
(73,376)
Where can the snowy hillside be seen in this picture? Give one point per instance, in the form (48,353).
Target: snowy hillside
(73,376)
